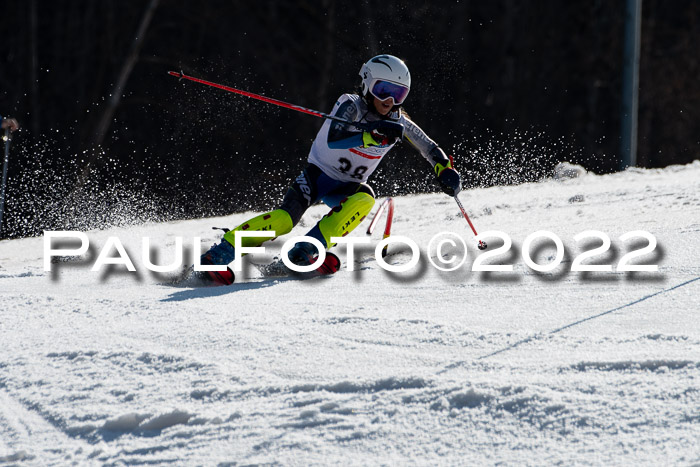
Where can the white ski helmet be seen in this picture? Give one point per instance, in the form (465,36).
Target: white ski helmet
(386,76)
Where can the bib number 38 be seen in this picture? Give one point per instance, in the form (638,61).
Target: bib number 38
(346,168)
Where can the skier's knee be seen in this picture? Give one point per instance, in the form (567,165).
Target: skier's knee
(364,188)
(342,219)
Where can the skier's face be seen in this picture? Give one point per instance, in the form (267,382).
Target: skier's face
(385,106)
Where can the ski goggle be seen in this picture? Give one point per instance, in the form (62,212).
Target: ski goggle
(383,90)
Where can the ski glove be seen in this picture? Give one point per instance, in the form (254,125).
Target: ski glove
(449,179)
(382,133)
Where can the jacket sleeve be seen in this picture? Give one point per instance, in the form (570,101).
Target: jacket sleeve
(340,135)
(426,146)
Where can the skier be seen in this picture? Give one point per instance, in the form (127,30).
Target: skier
(340,161)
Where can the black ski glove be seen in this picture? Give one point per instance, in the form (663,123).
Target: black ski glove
(449,179)
(382,132)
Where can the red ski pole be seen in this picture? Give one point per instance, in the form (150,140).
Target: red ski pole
(389,218)
(482,244)
(269,100)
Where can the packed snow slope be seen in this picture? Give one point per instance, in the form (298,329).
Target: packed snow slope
(368,367)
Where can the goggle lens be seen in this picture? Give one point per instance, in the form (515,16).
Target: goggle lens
(383,90)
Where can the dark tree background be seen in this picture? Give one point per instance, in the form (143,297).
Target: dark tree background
(509,87)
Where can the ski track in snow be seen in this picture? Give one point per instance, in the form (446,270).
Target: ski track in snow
(368,367)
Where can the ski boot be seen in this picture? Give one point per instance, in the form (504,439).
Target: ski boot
(220,254)
(304,254)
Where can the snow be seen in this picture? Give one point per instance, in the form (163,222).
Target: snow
(371,367)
